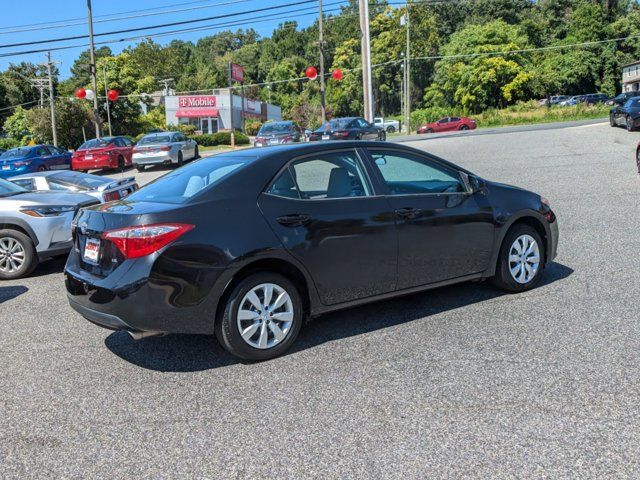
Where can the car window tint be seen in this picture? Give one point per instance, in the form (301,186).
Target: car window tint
(284,186)
(331,175)
(42,152)
(443,120)
(406,173)
(455,119)
(24,183)
(119,142)
(363,123)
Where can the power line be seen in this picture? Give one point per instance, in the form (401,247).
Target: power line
(71,23)
(151,27)
(19,105)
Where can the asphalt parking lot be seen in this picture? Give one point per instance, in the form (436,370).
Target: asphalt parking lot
(462,381)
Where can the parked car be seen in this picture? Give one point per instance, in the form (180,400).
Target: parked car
(627,115)
(389,126)
(349,128)
(34,226)
(554,99)
(638,157)
(276,133)
(2,150)
(448,124)
(103,189)
(107,152)
(622,98)
(38,158)
(247,244)
(589,99)
(164,148)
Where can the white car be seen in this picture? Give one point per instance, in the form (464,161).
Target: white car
(104,189)
(164,148)
(389,126)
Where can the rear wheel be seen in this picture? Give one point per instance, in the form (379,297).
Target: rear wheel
(383,136)
(42,168)
(428,130)
(121,163)
(261,318)
(521,260)
(638,159)
(196,153)
(630,125)
(17,255)
(140,168)
(391,129)
(464,127)
(180,159)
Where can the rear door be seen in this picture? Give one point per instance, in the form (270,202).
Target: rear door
(323,209)
(444,232)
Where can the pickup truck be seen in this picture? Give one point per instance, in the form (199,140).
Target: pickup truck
(388,126)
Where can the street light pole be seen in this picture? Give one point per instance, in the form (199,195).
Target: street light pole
(106,97)
(92,69)
(407,73)
(51,102)
(365,48)
(321,48)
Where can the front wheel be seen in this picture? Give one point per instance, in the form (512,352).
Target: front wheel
(391,129)
(612,121)
(121,165)
(262,317)
(521,260)
(17,255)
(196,153)
(382,137)
(180,160)
(42,168)
(464,127)
(630,125)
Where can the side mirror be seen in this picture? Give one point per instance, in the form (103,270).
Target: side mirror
(474,184)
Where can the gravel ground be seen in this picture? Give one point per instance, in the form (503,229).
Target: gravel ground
(458,382)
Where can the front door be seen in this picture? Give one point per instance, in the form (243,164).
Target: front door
(323,210)
(444,232)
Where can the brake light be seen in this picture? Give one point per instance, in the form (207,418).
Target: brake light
(111,196)
(136,242)
(341,134)
(165,149)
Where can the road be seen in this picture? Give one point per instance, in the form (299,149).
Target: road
(462,381)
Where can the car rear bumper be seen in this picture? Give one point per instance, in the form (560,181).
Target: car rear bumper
(100,162)
(152,160)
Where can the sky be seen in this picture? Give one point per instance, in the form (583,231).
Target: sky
(48,19)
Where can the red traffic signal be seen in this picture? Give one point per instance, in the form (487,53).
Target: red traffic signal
(311,73)
(113,95)
(337,74)
(81,93)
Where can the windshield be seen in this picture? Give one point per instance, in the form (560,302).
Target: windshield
(7,189)
(275,128)
(95,143)
(16,153)
(182,184)
(335,124)
(631,103)
(155,138)
(77,181)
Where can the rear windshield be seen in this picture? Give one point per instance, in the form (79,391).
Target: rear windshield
(95,143)
(276,128)
(16,152)
(182,184)
(335,124)
(79,182)
(155,138)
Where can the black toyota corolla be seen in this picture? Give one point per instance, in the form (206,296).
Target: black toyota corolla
(248,244)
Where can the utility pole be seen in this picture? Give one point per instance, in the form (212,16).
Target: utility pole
(366,60)
(106,97)
(407,73)
(321,48)
(51,101)
(166,82)
(92,70)
(41,84)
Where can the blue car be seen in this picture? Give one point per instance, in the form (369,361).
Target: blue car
(33,159)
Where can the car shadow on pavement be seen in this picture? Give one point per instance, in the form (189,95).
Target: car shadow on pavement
(49,267)
(192,353)
(9,293)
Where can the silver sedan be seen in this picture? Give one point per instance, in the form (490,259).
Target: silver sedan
(164,148)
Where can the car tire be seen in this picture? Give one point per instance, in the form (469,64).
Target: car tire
(612,121)
(383,136)
(8,240)
(391,129)
(228,326)
(196,153)
(464,127)
(121,164)
(638,159)
(140,168)
(428,130)
(180,160)
(630,126)
(42,168)
(523,279)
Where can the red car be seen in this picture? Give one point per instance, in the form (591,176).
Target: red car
(106,152)
(448,124)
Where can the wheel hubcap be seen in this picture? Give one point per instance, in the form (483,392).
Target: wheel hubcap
(524,259)
(265,316)
(11,255)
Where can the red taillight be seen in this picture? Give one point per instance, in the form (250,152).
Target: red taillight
(341,134)
(111,196)
(286,139)
(135,242)
(135,150)
(165,149)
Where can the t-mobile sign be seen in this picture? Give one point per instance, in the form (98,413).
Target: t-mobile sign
(197,101)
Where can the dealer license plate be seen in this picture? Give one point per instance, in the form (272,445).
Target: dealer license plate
(92,251)
(326,137)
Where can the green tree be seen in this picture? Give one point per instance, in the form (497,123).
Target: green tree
(71,117)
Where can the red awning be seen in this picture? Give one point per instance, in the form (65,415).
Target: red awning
(196,112)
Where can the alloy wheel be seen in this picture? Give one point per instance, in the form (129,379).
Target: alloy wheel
(265,316)
(524,259)
(12,255)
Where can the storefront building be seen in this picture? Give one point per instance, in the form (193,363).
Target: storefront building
(211,113)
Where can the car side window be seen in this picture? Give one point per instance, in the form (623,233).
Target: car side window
(444,120)
(27,183)
(323,176)
(42,152)
(455,119)
(119,142)
(363,123)
(409,174)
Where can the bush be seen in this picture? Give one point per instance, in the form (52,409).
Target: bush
(8,143)
(220,138)
(206,139)
(187,129)
(252,127)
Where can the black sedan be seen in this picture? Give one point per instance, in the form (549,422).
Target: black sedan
(621,98)
(277,133)
(248,244)
(627,115)
(349,128)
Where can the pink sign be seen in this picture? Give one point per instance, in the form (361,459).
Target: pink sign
(197,101)
(237,73)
